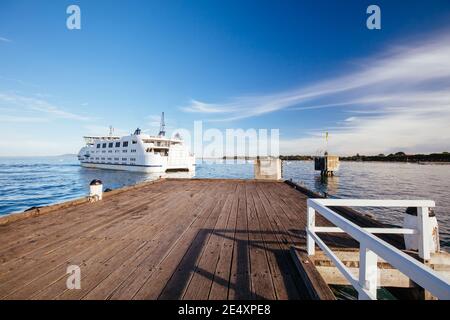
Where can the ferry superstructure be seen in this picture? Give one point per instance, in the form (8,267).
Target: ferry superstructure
(137,152)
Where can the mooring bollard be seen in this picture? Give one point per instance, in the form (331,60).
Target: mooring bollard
(96,189)
(412,241)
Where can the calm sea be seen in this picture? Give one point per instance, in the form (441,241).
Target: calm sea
(28,182)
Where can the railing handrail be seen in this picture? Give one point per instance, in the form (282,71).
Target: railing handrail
(374,203)
(419,273)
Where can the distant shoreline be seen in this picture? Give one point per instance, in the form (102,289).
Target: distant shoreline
(68,155)
(435,158)
(372,161)
(399,157)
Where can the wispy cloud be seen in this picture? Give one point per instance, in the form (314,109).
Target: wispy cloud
(405,68)
(40,106)
(408,132)
(19,119)
(400,99)
(21,82)
(153,123)
(5,39)
(99,130)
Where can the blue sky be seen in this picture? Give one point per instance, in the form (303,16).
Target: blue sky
(304,67)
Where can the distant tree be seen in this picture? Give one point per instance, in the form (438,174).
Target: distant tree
(400,154)
(381,155)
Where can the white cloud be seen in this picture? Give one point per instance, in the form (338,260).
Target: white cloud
(40,106)
(153,123)
(397,100)
(413,132)
(5,39)
(16,119)
(21,82)
(98,130)
(197,106)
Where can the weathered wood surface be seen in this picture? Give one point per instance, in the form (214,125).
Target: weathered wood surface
(176,239)
(388,276)
(316,285)
(38,211)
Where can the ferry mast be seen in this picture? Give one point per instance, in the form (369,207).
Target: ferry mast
(162,127)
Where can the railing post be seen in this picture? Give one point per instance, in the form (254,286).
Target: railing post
(423,227)
(311,223)
(368,272)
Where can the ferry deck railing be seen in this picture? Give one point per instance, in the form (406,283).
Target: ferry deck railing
(372,247)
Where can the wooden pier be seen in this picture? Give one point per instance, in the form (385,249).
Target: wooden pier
(170,239)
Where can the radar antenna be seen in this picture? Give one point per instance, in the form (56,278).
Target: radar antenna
(111,131)
(162,128)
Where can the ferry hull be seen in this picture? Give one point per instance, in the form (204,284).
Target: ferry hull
(135,168)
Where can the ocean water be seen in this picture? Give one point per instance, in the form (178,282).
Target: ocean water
(382,180)
(33,182)
(29,182)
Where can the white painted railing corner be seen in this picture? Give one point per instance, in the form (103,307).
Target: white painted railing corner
(372,247)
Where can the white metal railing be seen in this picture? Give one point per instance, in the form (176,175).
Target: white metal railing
(372,247)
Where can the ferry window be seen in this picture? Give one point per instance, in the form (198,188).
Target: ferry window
(124,159)
(98,145)
(134,142)
(110,145)
(104,145)
(117,144)
(133,150)
(124,151)
(125,144)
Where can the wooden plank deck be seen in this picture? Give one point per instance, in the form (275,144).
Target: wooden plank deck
(175,239)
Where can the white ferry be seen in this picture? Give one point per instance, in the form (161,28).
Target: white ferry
(137,152)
